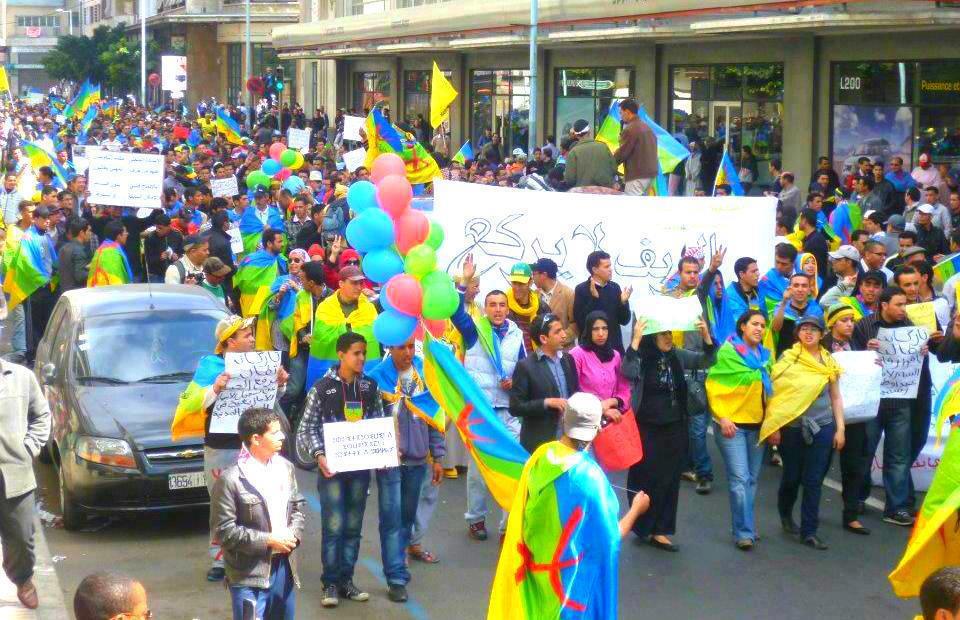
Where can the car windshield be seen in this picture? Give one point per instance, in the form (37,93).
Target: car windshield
(156,346)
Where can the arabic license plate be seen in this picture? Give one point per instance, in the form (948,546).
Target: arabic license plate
(187,481)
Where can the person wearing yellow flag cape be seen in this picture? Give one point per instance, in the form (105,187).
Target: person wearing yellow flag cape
(805,417)
(560,553)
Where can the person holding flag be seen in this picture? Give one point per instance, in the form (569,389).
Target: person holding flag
(110,265)
(637,151)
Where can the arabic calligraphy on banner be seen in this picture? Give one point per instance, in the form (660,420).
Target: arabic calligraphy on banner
(125,179)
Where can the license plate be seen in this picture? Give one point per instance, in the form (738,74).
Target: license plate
(187,481)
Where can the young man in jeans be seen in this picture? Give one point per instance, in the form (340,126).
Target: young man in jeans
(400,377)
(343,394)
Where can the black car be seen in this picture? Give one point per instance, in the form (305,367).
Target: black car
(113,362)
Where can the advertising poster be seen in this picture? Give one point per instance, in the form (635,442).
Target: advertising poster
(173,73)
(877,132)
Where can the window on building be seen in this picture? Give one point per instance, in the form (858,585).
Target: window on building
(38,21)
(500,104)
(369,89)
(939,99)
(235,81)
(416,98)
(587,94)
(738,104)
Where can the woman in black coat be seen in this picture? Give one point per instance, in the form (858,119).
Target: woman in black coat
(219,243)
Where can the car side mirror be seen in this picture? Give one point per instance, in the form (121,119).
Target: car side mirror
(48,373)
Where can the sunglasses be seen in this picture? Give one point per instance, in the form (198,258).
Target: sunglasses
(296,260)
(352,261)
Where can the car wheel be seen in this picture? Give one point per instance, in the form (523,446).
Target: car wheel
(300,456)
(73,516)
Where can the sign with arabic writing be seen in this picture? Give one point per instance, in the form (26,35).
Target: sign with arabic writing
(644,236)
(125,179)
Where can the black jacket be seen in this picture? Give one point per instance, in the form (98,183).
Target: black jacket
(532,383)
(609,302)
(867,329)
(307,236)
(154,247)
(75,260)
(325,403)
(932,241)
(816,244)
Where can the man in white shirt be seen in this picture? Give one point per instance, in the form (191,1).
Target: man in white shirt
(189,269)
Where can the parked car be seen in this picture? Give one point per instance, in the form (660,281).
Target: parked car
(113,362)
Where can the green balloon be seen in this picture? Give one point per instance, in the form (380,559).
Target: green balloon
(435,238)
(440,302)
(258,178)
(420,261)
(434,279)
(288,157)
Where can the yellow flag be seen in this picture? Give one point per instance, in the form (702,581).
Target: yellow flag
(442,95)
(4,82)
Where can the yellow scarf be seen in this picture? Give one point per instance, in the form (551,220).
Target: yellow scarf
(527,313)
(798,379)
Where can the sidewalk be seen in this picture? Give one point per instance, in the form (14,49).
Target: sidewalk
(52,605)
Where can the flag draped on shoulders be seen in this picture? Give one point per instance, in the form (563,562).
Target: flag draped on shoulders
(255,275)
(251,227)
(771,289)
(497,454)
(559,556)
(846,218)
(189,419)
(798,379)
(421,404)
(738,379)
(733,305)
(26,269)
(329,323)
(110,266)
(284,309)
(385,137)
(295,311)
(946,269)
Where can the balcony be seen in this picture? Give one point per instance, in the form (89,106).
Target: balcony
(348,8)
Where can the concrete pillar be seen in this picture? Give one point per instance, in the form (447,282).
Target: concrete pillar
(203,55)
(799,114)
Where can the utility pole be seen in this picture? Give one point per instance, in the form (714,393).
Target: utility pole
(143,52)
(534,87)
(249,64)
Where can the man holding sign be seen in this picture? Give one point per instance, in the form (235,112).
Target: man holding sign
(344,394)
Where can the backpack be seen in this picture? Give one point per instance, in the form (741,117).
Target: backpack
(334,219)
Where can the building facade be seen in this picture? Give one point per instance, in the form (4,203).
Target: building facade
(789,80)
(30,30)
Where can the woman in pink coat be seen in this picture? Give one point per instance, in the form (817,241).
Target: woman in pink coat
(598,366)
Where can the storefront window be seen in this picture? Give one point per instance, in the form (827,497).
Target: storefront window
(235,85)
(369,89)
(416,95)
(500,103)
(873,83)
(740,105)
(587,94)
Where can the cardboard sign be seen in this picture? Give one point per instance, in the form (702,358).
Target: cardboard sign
(901,359)
(236,240)
(125,179)
(252,384)
(665,313)
(298,139)
(858,384)
(352,126)
(365,444)
(224,187)
(354,159)
(923,315)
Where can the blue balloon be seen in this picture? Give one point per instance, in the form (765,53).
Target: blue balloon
(369,231)
(381,265)
(392,329)
(270,167)
(361,196)
(294,184)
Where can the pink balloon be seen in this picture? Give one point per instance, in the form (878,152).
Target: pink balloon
(436,328)
(412,228)
(405,294)
(394,194)
(283,175)
(276,150)
(385,165)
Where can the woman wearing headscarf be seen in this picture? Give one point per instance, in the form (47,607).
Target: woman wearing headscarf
(807,263)
(738,385)
(805,416)
(655,368)
(598,366)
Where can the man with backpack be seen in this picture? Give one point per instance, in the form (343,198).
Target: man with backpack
(189,269)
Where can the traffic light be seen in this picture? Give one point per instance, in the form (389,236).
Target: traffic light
(278,84)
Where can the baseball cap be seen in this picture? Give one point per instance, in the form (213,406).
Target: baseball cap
(352,273)
(925,208)
(41,212)
(215,267)
(316,175)
(809,320)
(876,275)
(581,419)
(845,251)
(581,127)
(897,222)
(228,327)
(520,273)
(519,152)
(192,240)
(545,265)
(238,153)
(315,250)
(913,251)
(259,192)
(868,213)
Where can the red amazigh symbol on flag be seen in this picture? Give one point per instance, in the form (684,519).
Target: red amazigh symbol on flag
(555,565)
(464,423)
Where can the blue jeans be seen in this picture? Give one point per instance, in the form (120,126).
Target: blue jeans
(477,492)
(804,465)
(398,494)
(699,456)
(742,457)
(17,321)
(893,422)
(343,499)
(277,602)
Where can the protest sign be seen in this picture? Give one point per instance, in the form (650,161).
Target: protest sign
(901,359)
(858,384)
(923,315)
(224,187)
(365,444)
(125,179)
(80,155)
(298,139)
(664,313)
(236,240)
(352,126)
(252,384)
(354,159)
(502,226)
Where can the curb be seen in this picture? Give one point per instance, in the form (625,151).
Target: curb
(52,605)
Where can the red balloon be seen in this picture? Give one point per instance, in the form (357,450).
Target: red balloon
(436,328)
(283,175)
(405,294)
(386,164)
(154,79)
(255,85)
(276,150)
(412,228)
(394,194)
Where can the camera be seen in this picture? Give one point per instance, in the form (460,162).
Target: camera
(198,277)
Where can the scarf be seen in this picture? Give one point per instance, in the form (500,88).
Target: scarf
(603,352)
(799,378)
(816,282)
(526,314)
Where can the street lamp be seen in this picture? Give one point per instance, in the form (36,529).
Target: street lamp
(69,13)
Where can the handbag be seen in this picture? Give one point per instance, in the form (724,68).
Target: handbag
(618,446)
(696,395)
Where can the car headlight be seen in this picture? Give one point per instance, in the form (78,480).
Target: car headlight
(113,452)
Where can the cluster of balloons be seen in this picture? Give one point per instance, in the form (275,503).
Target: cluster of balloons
(399,249)
(280,166)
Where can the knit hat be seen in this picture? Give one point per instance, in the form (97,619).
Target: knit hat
(837,312)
